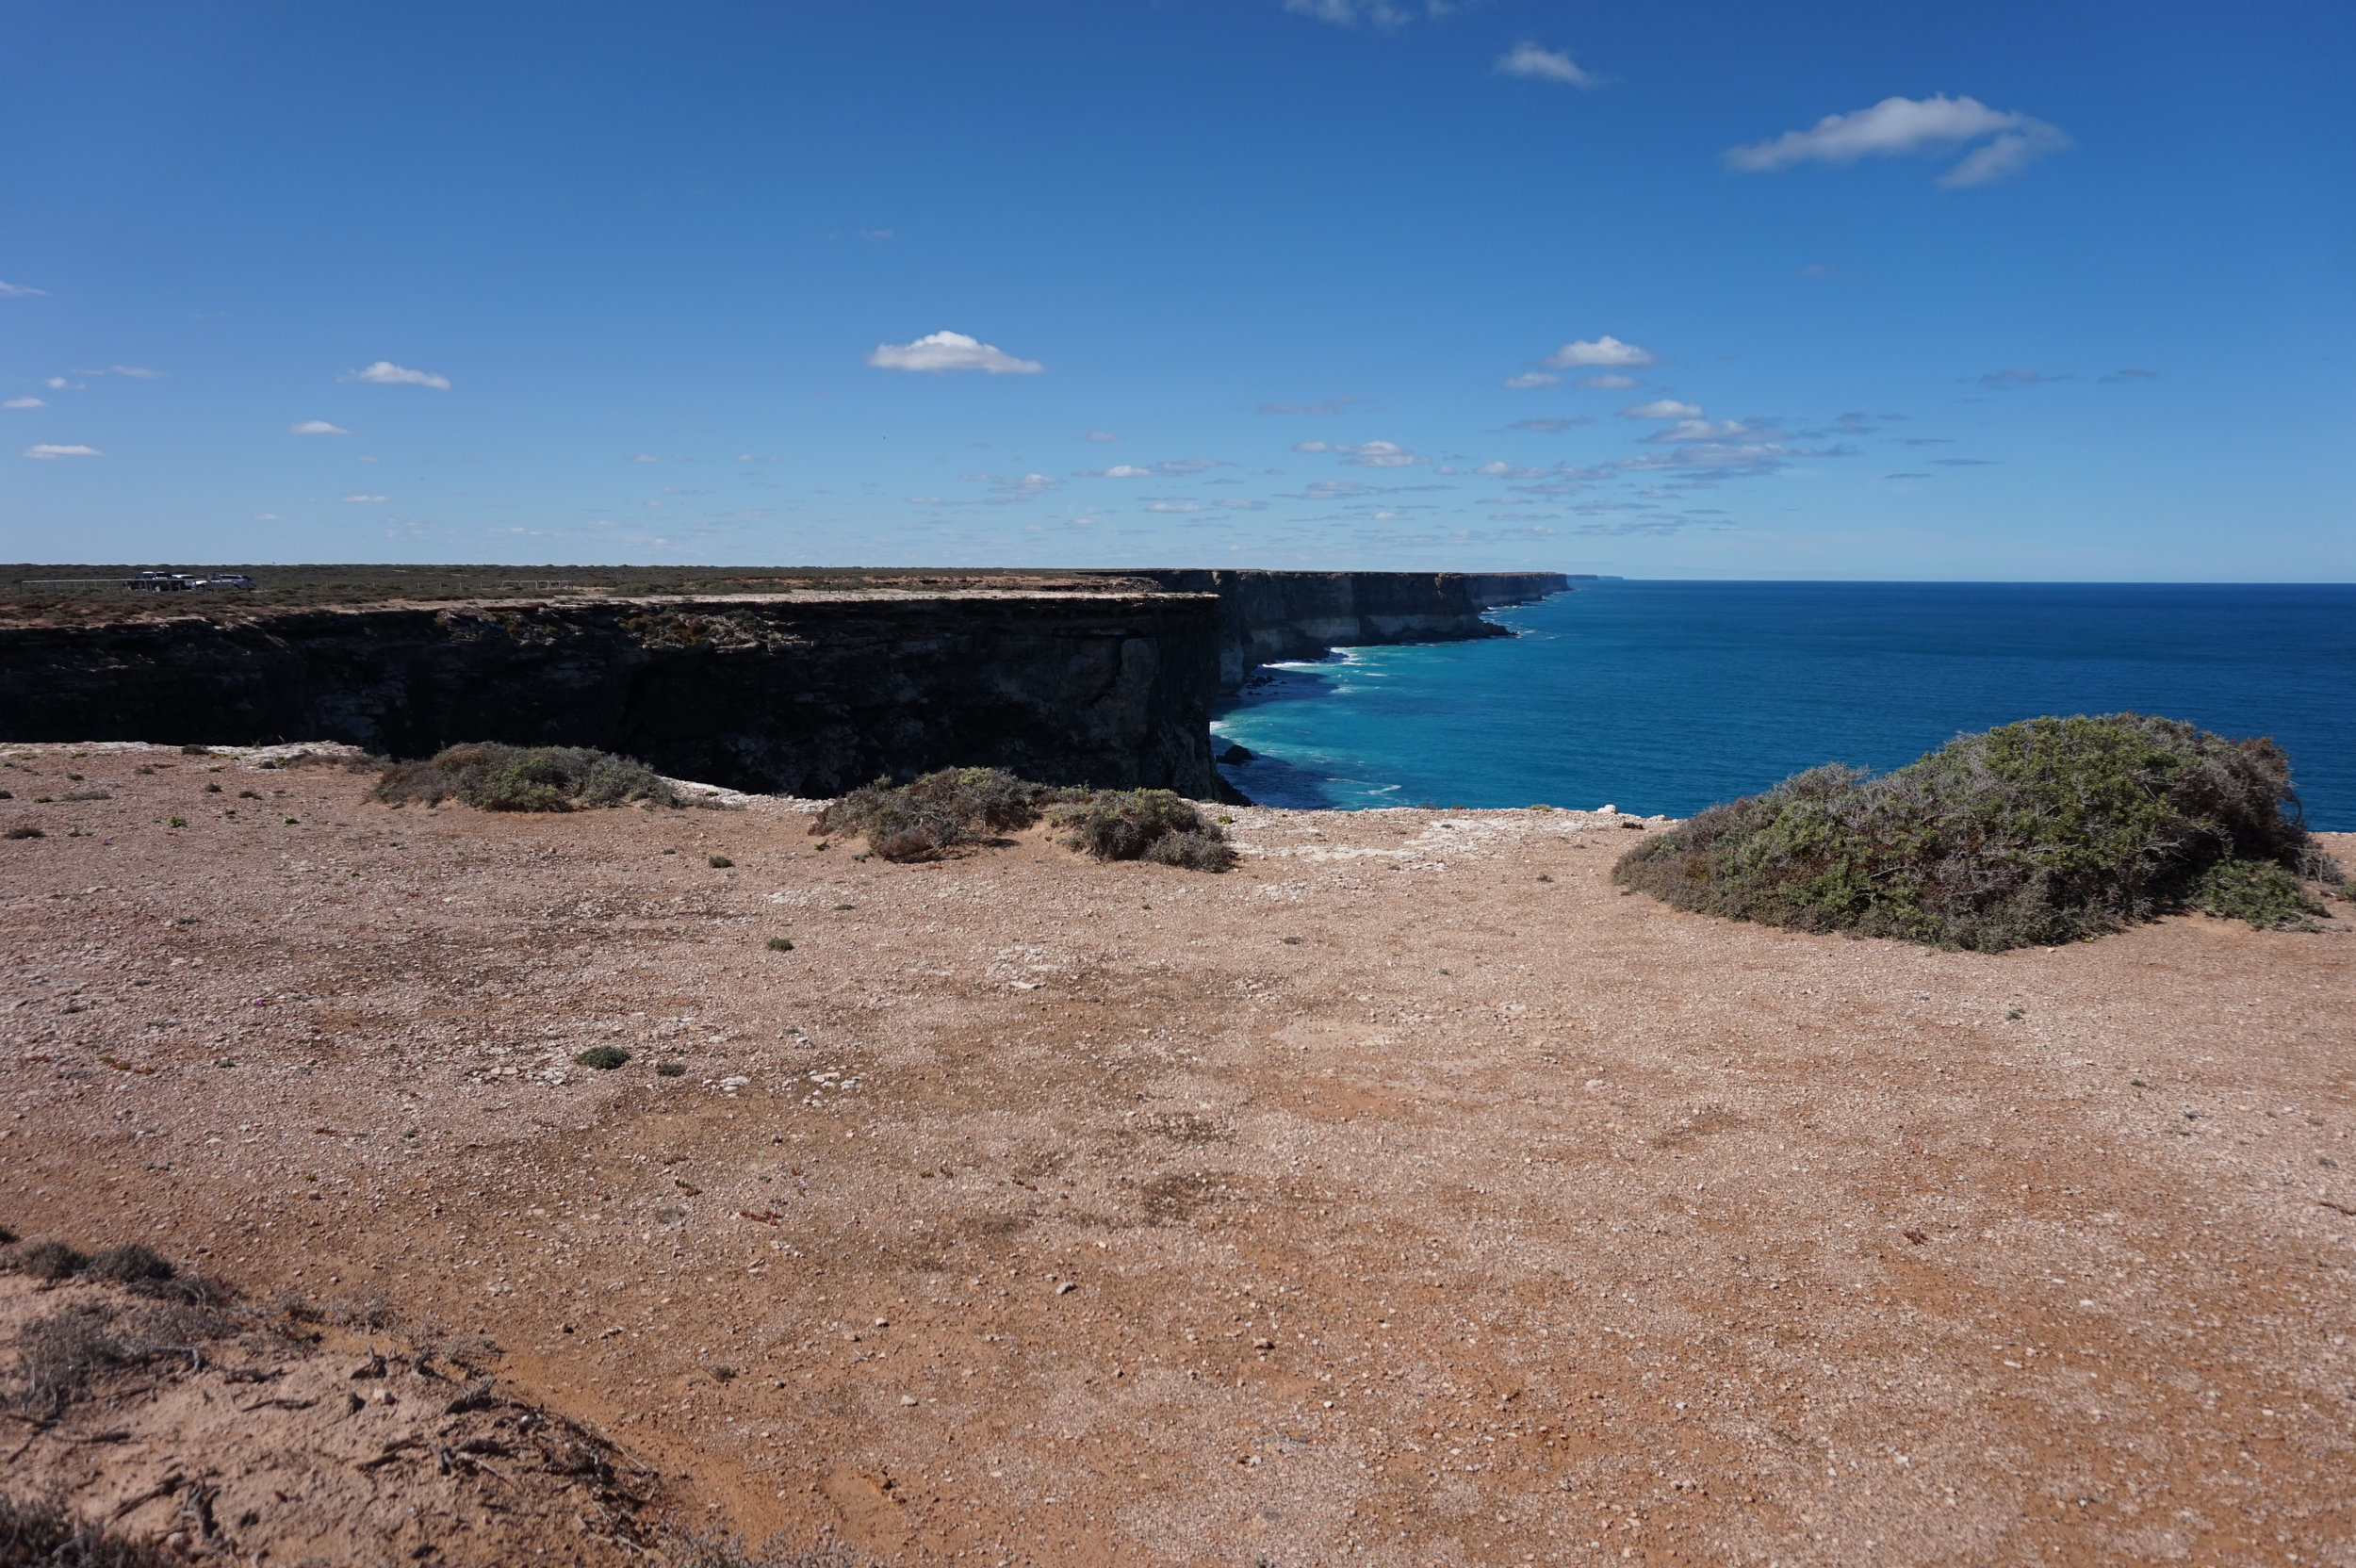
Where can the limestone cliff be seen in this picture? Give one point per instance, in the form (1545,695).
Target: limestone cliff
(1268,616)
(807,695)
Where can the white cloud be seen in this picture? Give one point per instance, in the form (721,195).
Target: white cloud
(1173,506)
(1021,487)
(1348,14)
(48,452)
(137,372)
(266,516)
(368,499)
(20,291)
(1369,455)
(385,373)
(1662,408)
(25,402)
(315,427)
(1100,435)
(58,384)
(1610,383)
(1529,379)
(1127,471)
(1604,350)
(1896,127)
(951,350)
(1546,65)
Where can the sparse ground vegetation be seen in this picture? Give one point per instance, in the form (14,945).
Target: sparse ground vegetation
(1142,825)
(42,1531)
(924,819)
(605,1059)
(2047,831)
(494,777)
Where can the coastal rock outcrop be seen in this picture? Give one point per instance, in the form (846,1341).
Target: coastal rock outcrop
(1270,616)
(802,695)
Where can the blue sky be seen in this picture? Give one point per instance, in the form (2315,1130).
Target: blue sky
(1845,290)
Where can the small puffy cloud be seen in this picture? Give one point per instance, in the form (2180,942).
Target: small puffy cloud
(1021,487)
(1173,506)
(1530,379)
(1609,384)
(367,499)
(1367,455)
(1662,408)
(2130,373)
(385,373)
(1897,126)
(928,501)
(58,384)
(951,350)
(49,451)
(1100,435)
(1122,470)
(1239,504)
(137,372)
(315,427)
(25,402)
(20,291)
(1544,65)
(2005,379)
(1380,13)
(1607,352)
(1334,489)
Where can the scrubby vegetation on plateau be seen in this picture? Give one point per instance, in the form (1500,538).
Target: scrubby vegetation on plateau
(2045,831)
(1142,824)
(494,778)
(940,812)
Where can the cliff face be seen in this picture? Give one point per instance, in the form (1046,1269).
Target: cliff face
(1270,616)
(806,695)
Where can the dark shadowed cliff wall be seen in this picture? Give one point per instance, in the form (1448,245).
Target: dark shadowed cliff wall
(803,695)
(1268,616)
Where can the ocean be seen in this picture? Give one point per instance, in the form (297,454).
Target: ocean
(1665,698)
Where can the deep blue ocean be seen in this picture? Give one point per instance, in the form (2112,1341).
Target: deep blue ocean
(1669,696)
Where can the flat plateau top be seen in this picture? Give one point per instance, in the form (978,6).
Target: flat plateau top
(228,608)
(1406,1195)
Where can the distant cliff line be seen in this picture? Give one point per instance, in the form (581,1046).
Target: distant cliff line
(1269,617)
(807,694)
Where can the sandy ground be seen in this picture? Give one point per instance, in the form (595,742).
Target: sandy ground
(1406,1196)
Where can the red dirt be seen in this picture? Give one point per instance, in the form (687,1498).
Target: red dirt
(1404,1196)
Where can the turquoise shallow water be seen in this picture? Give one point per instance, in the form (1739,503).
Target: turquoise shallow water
(1667,696)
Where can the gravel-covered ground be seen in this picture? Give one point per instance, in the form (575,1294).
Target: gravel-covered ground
(1405,1196)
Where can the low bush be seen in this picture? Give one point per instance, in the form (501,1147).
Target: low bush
(45,1531)
(924,819)
(1142,824)
(2041,832)
(605,1059)
(494,777)
(1203,851)
(24,831)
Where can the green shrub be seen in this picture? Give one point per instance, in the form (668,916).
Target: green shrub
(2046,831)
(26,831)
(2269,896)
(134,1264)
(494,777)
(670,1069)
(929,816)
(49,1260)
(780,944)
(605,1059)
(718,862)
(1202,851)
(1132,824)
